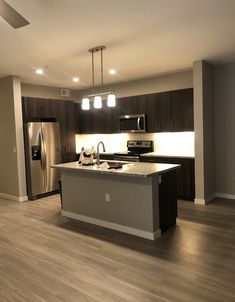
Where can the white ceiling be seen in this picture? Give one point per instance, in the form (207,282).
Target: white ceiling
(143,38)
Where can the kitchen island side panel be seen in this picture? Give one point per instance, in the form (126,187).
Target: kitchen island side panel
(133,202)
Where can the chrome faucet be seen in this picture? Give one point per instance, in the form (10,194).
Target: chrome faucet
(98,152)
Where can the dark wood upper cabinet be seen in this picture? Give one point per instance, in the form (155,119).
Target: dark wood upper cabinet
(181,110)
(158,108)
(170,111)
(61,111)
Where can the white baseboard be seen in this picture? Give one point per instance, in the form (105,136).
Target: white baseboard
(13,198)
(200,201)
(113,226)
(227,196)
(204,201)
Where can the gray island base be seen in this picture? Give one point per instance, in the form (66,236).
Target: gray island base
(138,199)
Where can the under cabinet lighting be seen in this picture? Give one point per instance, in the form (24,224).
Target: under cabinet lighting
(111,102)
(85,104)
(97,102)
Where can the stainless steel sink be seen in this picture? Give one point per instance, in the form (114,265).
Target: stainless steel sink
(113,164)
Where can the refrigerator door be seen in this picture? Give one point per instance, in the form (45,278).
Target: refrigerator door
(35,160)
(52,152)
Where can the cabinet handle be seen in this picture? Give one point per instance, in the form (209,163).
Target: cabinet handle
(172,124)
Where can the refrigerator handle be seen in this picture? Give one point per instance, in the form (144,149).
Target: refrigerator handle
(43,151)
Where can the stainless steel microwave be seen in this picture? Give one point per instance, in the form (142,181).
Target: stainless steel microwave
(132,123)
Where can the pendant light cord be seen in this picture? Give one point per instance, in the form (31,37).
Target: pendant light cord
(101,69)
(93,72)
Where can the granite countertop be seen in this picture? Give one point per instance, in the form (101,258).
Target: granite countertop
(157,154)
(128,168)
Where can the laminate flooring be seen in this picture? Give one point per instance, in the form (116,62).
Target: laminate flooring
(48,258)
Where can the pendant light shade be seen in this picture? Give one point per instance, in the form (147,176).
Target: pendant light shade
(111,102)
(85,104)
(97,102)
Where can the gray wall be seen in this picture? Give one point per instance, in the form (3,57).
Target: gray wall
(12,180)
(204,131)
(167,82)
(46,92)
(224,79)
(179,80)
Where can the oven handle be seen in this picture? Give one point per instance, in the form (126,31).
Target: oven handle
(127,158)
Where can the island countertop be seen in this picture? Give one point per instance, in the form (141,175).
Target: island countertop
(134,169)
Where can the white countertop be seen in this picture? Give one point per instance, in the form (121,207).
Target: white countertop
(175,155)
(128,169)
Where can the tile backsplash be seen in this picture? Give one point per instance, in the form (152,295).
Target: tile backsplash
(168,143)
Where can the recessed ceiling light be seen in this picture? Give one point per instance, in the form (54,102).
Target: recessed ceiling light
(39,71)
(112,71)
(75,80)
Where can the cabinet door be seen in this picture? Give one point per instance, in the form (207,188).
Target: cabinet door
(158,108)
(31,108)
(181,105)
(163,112)
(125,106)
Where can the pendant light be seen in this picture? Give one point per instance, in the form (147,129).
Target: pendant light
(85,104)
(111,99)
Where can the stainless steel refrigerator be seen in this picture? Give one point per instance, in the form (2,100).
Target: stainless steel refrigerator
(43,149)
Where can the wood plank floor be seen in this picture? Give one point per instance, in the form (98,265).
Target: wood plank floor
(46,258)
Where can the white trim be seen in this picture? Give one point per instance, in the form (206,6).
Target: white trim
(114,226)
(13,198)
(204,201)
(227,196)
(200,201)
(23,198)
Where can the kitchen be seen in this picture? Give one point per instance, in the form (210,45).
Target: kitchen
(174,266)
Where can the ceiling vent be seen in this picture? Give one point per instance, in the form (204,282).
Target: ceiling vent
(65,92)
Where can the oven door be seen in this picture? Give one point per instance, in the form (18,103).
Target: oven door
(131,158)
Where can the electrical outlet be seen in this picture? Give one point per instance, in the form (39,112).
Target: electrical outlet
(107,197)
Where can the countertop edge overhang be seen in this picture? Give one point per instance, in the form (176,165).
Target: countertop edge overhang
(129,169)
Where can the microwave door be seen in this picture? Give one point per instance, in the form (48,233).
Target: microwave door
(132,123)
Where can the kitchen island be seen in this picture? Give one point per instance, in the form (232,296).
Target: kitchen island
(138,198)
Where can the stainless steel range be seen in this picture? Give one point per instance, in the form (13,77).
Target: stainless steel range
(134,150)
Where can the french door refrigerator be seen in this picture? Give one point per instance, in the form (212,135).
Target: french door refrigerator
(43,149)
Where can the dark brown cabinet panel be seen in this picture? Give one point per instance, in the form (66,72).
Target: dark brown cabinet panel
(181,110)
(93,121)
(158,108)
(185,174)
(170,111)
(165,112)
(61,111)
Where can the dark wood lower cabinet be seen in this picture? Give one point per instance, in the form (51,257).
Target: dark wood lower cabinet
(168,200)
(185,175)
